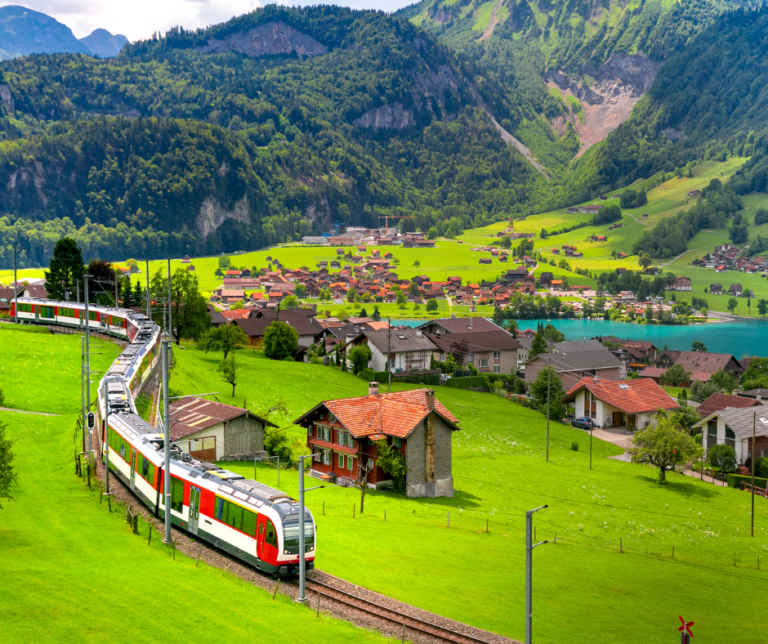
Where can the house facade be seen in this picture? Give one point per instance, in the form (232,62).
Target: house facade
(344,436)
(734,427)
(489,352)
(399,350)
(212,431)
(576,360)
(608,403)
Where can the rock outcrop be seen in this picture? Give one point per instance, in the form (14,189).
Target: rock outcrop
(269,39)
(7,98)
(387,117)
(609,97)
(212,215)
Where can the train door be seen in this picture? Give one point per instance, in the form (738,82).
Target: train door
(36,309)
(133,468)
(261,528)
(194,508)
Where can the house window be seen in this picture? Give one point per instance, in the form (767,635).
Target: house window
(497,355)
(350,440)
(730,437)
(349,464)
(340,438)
(331,418)
(497,368)
(471,358)
(341,461)
(396,442)
(483,363)
(326,457)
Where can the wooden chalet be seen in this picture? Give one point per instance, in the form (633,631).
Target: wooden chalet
(344,436)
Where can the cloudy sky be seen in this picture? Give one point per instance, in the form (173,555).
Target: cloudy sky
(140,18)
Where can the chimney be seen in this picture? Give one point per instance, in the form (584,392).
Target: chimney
(437,333)
(430,393)
(350,337)
(470,322)
(373,388)
(759,398)
(418,334)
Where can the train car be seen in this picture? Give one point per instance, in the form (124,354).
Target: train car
(251,521)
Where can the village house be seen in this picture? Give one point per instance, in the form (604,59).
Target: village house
(716,289)
(735,289)
(212,431)
(575,360)
(700,365)
(399,350)
(488,352)
(459,325)
(734,427)
(309,330)
(629,403)
(344,436)
(683,283)
(718,402)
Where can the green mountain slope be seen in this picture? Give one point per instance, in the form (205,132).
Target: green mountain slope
(263,129)
(708,101)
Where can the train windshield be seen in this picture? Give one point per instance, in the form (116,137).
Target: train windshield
(291,532)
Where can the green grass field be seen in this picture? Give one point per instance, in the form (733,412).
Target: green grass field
(73,572)
(583,585)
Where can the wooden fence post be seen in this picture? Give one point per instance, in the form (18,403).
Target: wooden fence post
(277,585)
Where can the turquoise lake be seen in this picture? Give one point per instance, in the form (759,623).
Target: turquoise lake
(740,337)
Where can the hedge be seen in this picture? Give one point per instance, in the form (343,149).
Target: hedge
(381,377)
(465,383)
(735,480)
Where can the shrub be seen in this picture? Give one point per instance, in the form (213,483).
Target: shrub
(280,341)
(761,468)
(722,457)
(735,480)
(575,446)
(369,375)
(465,383)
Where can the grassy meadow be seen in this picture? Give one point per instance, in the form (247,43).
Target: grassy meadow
(404,547)
(73,572)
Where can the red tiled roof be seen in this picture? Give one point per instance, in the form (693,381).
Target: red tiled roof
(631,396)
(237,314)
(394,414)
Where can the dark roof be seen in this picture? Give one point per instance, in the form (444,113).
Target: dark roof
(718,401)
(578,346)
(191,415)
(486,341)
(699,362)
(753,393)
(255,327)
(580,360)
(35,290)
(462,325)
(6,297)
(399,340)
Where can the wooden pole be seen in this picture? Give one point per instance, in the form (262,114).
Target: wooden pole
(621,547)
(149,539)
(274,594)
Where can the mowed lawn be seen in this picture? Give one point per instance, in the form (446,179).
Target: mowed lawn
(583,584)
(73,572)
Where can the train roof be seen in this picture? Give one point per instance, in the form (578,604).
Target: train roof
(134,315)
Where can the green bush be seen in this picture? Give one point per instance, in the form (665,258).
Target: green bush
(381,377)
(575,446)
(431,379)
(761,468)
(465,383)
(368,375)
(735,480)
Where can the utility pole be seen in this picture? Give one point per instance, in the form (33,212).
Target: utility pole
(88,356)
(549,373)
(106,441)
(170,304)
(167,436)
(754,422)
(82,384)
(591,430)
(302,548)
(15,288)
(149,313)
(389,353)
(117,282)
(529,546)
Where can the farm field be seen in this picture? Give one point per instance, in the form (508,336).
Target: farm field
(73,572)
(499,472)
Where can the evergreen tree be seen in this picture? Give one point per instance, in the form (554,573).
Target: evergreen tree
(8,476)
(190,309)
(539,344)
(65,271)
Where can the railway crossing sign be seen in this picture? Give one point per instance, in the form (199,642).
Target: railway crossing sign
(91,420)
(685,631)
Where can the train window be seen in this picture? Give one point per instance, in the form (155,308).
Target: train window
(249,522)
(93,315)
(46,311)
(177,495)
(219,508)
(235,516)
(25,308)
(291,532)
(271,538)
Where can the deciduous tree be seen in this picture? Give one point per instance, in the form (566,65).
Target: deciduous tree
(228,369)
(280,341)
(8,475)
(225,338)
(666,446)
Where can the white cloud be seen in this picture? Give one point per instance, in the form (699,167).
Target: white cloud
(137,19)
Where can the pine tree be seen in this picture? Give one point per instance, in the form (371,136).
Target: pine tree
(65,271)
(539,344)
(7,475)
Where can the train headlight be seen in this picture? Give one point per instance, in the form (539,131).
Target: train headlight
(285,552)
(311,548)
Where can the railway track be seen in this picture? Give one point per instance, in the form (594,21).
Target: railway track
(409,623)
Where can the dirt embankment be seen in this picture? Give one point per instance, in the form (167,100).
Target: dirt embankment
(607,96)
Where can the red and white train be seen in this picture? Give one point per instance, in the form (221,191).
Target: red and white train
(251,521)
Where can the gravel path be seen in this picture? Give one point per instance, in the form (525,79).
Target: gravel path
(34,413)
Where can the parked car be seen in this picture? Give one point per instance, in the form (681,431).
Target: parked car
(582,423)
